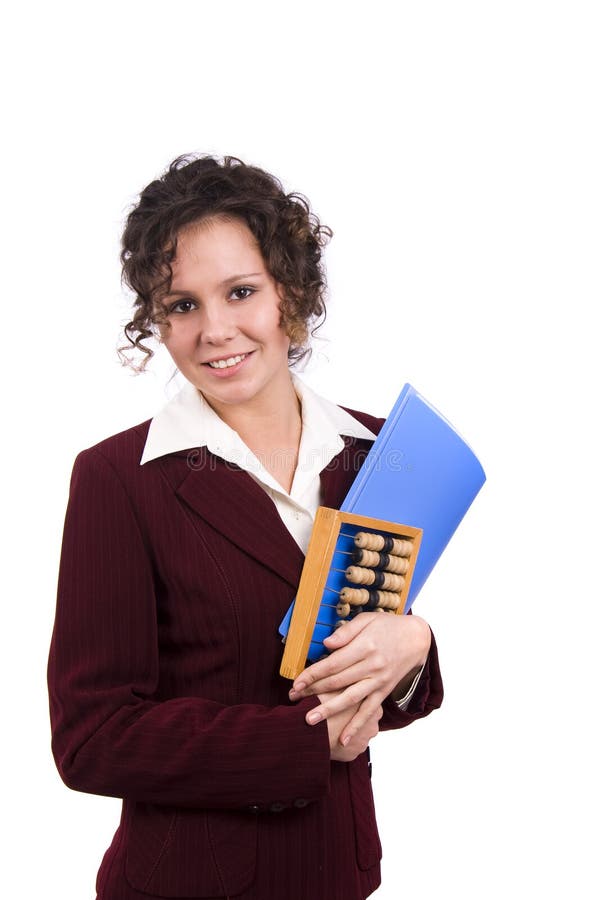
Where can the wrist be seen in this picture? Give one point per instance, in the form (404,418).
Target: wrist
(422,640)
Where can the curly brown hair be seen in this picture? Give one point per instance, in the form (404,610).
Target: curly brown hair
(289,235)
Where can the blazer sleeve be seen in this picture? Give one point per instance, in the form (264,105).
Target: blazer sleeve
(109,736)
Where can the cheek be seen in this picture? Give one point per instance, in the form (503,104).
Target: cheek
(280,339)
(175,335)
(268,324)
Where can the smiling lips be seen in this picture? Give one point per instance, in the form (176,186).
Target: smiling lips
(227,363)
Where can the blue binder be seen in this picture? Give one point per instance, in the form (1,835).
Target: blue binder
(419,472)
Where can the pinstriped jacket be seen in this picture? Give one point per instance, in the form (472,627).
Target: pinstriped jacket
(164,685)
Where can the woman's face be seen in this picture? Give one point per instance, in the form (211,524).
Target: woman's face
(223,311)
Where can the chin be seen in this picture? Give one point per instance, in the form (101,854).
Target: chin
(232,394)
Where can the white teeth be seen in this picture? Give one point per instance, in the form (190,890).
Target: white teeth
(226,363)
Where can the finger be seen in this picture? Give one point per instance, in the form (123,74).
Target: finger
(341,657)
(346,700)
(337,681)
(368,709)
(336,662)
(342,636)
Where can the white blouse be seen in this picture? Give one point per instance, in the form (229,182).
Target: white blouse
(188,421)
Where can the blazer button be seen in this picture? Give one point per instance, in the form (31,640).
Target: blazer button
(300,803)
(277,807)
(254,809)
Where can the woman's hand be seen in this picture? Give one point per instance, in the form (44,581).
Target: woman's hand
(369,657)
(336,724)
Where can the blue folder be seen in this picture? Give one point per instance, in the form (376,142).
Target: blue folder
(419,472)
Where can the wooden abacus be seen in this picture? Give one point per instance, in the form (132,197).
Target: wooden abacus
(334,588)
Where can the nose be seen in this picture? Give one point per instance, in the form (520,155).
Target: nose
(217,324)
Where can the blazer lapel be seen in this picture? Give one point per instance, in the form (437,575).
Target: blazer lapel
(338,476)
(235,505)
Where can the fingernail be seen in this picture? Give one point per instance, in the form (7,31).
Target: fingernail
(293,694)
(314,717)
(346,740)
(299,686)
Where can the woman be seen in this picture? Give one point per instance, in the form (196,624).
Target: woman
(182,550)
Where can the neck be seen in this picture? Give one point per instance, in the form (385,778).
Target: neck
(271,428)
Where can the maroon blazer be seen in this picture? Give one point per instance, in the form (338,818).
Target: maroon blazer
(164,685)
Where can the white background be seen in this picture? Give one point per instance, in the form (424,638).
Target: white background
(454,148)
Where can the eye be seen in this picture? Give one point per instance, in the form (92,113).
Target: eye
(242,293)
(182,306)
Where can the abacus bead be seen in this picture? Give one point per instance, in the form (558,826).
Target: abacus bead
(398,564)
(391,582)
(365,558)
(373,601)
(359,575)
(354,596)
(378,578)
(402,548)
(370,558)
(368,541)
(388,544)
(389,599)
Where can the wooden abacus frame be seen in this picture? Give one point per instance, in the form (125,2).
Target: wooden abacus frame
(326,530)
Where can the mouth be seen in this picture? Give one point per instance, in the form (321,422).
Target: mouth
(227,362)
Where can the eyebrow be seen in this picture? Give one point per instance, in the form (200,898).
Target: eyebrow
(225,283)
